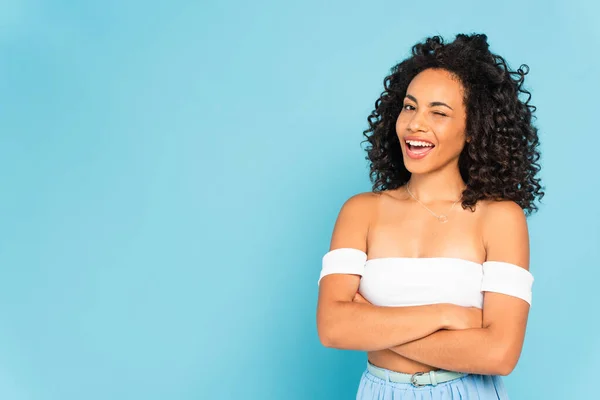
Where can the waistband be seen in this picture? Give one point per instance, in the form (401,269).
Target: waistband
(417,379)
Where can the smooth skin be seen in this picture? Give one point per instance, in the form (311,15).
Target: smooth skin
(392,224)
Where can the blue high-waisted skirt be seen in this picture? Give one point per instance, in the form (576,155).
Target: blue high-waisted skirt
(468,387)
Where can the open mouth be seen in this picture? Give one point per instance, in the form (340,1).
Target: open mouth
(418,149)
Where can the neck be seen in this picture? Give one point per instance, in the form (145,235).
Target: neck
(437,186)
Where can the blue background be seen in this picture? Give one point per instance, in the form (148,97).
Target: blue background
(171,173)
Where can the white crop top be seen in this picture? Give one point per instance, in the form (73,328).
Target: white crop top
(409,281)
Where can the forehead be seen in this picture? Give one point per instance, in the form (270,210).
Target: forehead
(436,85)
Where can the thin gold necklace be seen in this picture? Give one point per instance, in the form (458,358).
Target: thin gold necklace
(442,217)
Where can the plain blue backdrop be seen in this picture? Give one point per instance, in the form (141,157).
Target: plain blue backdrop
(170,174)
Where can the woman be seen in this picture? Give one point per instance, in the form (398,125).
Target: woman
(438,295)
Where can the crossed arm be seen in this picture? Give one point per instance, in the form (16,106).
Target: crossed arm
(496,347)
(493,349)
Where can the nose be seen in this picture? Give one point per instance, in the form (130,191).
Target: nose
(416,123)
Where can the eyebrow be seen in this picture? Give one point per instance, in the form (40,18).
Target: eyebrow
(432,104)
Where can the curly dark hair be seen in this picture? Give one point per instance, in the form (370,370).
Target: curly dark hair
(500,159)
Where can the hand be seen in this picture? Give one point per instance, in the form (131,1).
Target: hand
(465,317)
(359,299)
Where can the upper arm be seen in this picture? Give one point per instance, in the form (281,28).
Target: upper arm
(350,231)
(506,239)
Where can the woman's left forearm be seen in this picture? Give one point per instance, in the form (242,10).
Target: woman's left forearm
(476,351)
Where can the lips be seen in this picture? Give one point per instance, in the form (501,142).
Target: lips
(421,153)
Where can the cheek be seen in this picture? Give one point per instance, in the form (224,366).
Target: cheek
(460,144)
(452,142)
(402,123)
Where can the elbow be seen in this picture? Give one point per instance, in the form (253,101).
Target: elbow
(327,337)
(505,353)
(325,331)
(506,363)
(337,342)
(334,338)
(324,337)
(505,369)
(328,328)
(327,340)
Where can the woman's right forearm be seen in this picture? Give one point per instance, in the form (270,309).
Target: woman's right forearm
(359,326)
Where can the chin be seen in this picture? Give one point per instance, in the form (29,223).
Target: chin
(417,167)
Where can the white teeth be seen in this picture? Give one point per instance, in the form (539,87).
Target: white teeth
(419,143)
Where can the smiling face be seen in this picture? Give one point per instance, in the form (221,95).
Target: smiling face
(432,112)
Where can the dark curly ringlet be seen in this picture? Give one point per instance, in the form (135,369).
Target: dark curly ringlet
(499,160)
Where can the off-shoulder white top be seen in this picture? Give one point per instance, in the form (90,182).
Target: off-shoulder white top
(406,281)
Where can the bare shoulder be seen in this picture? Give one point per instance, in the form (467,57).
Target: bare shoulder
(505,232)
(503,214)
(363,201)
(353,221)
